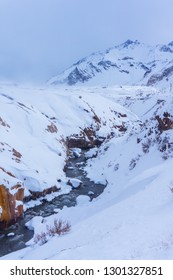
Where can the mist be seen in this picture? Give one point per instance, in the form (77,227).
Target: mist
(40,39)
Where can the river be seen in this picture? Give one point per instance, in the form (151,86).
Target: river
(15,237)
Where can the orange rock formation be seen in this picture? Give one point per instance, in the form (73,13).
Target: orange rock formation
(11,200)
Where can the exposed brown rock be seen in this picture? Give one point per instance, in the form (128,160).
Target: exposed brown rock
(164,123)
(7,172)
(85,140)
(34,195)
(16,153)
(3,123)
(121,128)
(78,142)
(52,128)
(11,204)
(11,199)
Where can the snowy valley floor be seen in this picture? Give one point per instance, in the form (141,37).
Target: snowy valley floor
(133,217)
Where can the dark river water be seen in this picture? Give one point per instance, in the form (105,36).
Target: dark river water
(20,234)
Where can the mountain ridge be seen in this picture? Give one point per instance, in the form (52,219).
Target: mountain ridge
(129,63)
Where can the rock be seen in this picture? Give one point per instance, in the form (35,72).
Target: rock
(11,199)
(17,238)
(79,142)
(67,202)
(165,123)
(84,140)
(11,234)
(34,195)
(90,193)
(70,167)
(13,227)
(75,183)
(44,200)
(21,245)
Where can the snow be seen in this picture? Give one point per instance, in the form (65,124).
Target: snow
(125,64)
(132,218)
(32,224)
(82,200)
(9,181)
(91,153)
(76,151)
(75,183)
(10,234)
(43,153)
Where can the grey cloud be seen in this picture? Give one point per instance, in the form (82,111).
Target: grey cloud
(40,38)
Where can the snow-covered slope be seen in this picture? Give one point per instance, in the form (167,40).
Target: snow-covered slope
(130,63)
(132,218)
(35,124)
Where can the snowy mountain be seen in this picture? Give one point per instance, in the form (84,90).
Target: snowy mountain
(89,168)
(131,63)
(37,129)
(131,218)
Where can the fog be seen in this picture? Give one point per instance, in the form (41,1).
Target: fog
(41,38)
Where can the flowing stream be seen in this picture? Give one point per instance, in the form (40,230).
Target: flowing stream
(15,237)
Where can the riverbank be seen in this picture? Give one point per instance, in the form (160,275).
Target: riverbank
(15,237)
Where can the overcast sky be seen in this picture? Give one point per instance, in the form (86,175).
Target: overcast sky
(40,38)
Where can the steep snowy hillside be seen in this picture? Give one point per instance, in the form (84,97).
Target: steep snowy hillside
(132,218)
(130,63)
(35,126)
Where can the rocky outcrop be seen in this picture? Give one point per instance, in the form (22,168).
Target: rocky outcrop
(37,194)
(11,200)
(77,75)
(52,128)
(85,140)
(78,141)
(165,123)
(155,78)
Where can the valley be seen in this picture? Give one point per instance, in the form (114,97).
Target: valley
(129,153)
(86,139)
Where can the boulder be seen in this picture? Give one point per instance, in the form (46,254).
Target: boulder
(75,183)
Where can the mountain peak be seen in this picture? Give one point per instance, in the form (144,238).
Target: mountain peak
(170,44)
(129,63)
(130,42)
